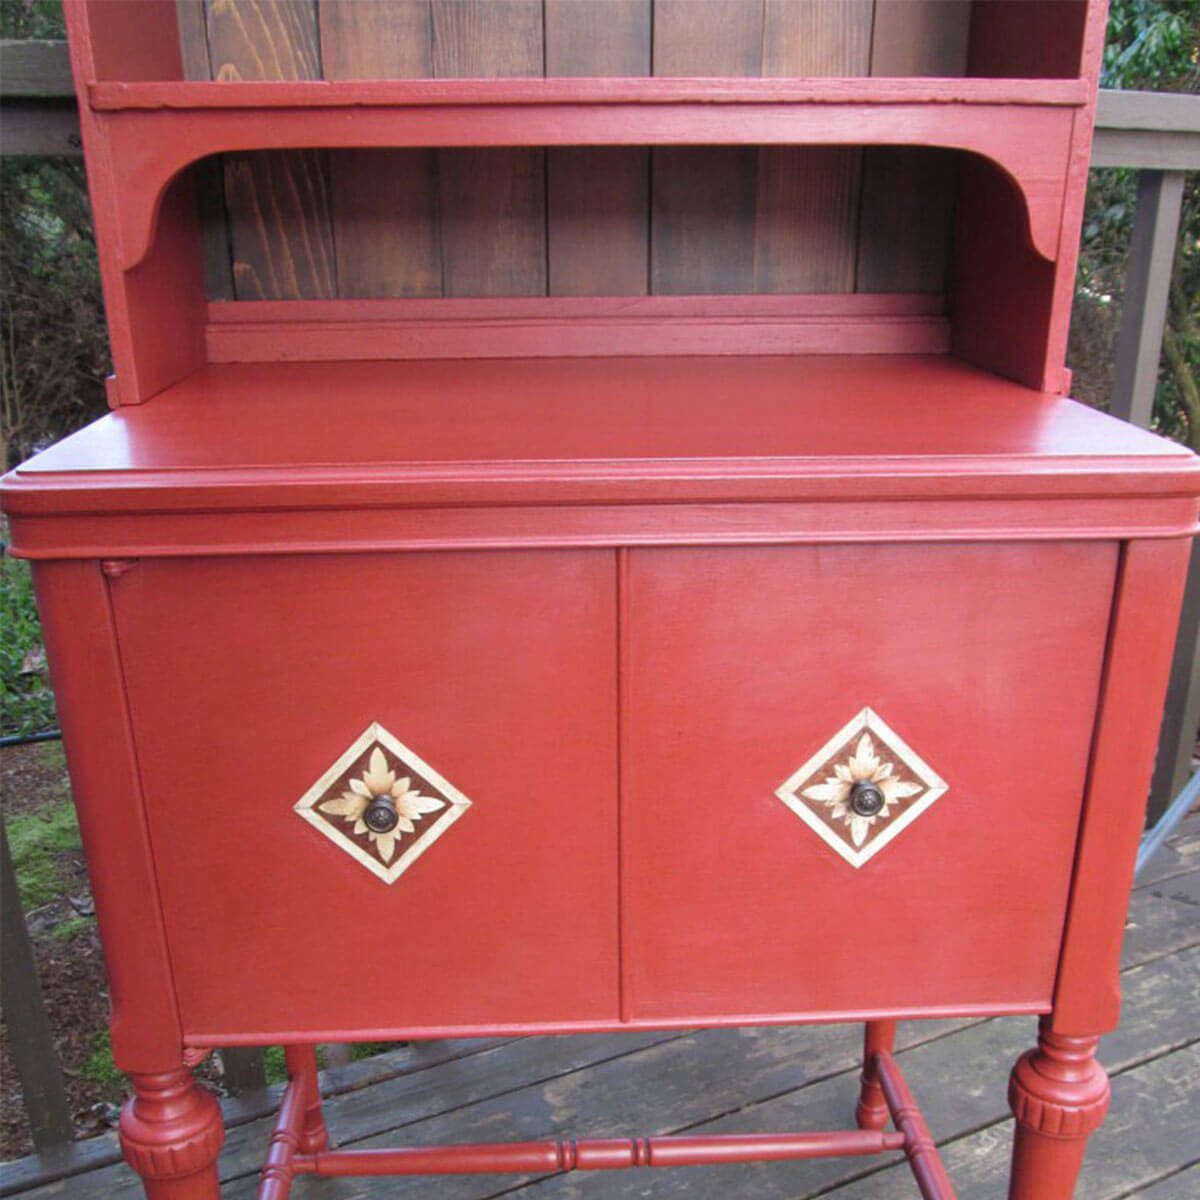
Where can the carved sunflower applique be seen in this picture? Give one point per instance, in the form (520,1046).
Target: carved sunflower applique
(381,805)
(862,789)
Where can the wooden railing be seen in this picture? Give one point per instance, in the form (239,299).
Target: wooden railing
(1156,134)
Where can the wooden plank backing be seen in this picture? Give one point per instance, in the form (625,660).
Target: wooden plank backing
(598,232)
(493,202)
(702,212)
(576,221)
(808,197)
(904,231)
(385,202)
(277,203)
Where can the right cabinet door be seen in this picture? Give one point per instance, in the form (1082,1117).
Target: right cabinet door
(852,775)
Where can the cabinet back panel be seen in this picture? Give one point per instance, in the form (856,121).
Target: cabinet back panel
(574,221)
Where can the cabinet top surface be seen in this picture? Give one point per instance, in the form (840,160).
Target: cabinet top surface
(810,420)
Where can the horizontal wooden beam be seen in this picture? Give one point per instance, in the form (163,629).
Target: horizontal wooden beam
(1133,129)
(40,130)
(1155,130)
(29,68)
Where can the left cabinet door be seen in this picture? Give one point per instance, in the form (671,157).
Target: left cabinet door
(470,697)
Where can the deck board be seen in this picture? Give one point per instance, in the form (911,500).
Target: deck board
(764,1079)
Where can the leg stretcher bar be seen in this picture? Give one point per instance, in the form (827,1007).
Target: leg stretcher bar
(286,1158)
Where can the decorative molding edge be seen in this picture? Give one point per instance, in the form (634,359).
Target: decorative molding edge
(1059,1090)
(170,1127)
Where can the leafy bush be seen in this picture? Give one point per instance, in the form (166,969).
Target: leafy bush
(26,702)
(1153,45)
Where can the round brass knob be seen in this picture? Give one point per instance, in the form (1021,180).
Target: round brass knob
(866,799)
(381,815)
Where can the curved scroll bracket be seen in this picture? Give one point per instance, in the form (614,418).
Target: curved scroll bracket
(152,145)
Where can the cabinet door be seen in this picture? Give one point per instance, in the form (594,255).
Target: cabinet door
(252,684)
(752,675)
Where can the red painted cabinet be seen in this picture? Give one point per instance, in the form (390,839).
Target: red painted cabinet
(276,666)
(444,643)
(743,663)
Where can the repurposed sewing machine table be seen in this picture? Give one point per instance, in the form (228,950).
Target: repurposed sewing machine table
(612,553)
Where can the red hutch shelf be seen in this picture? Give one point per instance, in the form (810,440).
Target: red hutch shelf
(579,642)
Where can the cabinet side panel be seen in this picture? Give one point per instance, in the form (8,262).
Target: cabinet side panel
(1149,595)
(85,667)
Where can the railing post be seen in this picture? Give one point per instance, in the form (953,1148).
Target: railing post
(244,1069)
(1147,291)
(29,1039)
(1181,716)
(1139,348)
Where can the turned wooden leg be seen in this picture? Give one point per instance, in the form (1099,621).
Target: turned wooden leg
(171,1133)
(872,1111)
(302,1065)
(1059,1095)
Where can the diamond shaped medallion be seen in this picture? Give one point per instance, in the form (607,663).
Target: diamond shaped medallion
(862,788)
(382,804)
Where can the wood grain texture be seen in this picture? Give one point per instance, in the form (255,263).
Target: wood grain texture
(209,173)
(493,202)
(598,199)
(385,203)
(907,197)
(278,203)
(807,199)
(703,208)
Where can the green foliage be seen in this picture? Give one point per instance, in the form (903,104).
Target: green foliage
(53,342)
(275,1064)
(361,1050)
(32,19)
(101,1070)
(38,839)
(1152,45)
(26,702)
(72,927)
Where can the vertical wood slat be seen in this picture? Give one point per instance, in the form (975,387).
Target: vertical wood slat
(907,194)
(598,198)
(806,210)
(30,1042)
(1139,349)
(1147,292)
(384,203)
(493,202)
(210,187)
(703,198)
(278,202)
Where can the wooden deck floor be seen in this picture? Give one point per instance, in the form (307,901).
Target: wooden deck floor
(759,1080)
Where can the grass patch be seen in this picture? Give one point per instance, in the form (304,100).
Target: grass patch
(275,1065)
(26,702)
(38,839)
(361,1050)
(102,1071)
(64,931)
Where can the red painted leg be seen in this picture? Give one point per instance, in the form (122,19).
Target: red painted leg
(872,1111)
(302,1064)
(171,1133)
(1059,1095)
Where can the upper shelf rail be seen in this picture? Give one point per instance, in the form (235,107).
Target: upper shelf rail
(318,93)
(157,129)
